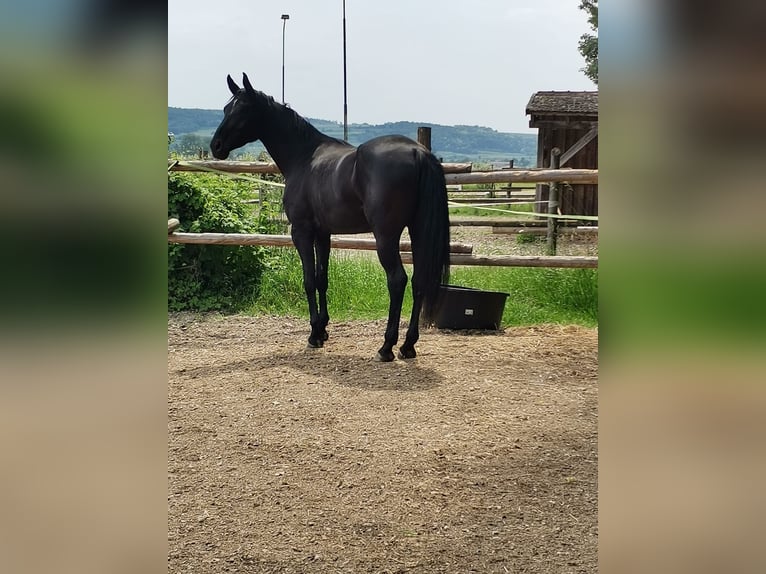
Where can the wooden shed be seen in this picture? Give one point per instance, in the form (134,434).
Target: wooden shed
(568,121)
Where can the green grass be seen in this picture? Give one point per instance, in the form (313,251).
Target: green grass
(357,290)
(538,295)
(357,287)
(495,211)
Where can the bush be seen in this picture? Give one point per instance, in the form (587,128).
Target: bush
(213,277)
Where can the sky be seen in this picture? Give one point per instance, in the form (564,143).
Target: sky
(475,62)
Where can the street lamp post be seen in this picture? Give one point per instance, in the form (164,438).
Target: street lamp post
(345,93)
(285,18)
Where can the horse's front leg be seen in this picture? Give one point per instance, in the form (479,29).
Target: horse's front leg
(304,243)
(322,265)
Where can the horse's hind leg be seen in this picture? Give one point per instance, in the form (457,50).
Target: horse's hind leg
(407,350)
(388,254)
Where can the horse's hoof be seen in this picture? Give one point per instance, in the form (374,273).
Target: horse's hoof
(317,345)
(324,336)
(407,353)
(387,358)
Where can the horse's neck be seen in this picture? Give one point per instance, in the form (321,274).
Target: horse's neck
(290,140)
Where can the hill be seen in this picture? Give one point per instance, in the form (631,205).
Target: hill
(194,127)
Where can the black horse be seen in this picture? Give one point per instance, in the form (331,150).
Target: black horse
(382,186)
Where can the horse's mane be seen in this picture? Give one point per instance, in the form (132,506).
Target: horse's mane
(304,129)
(292,118)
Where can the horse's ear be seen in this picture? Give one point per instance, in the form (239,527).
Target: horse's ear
(246,82)
(232,85)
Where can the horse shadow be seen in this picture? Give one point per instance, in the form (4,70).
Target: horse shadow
(321,365)
(360,372)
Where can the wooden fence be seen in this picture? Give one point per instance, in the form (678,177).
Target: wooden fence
(455,174)
(460,253)
(286,241)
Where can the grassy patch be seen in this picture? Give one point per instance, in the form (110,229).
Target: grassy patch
(509,210)
(494,212)
(528,238)
(357,290)
(568,296)
(357,287)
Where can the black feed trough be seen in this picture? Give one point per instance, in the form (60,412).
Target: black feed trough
(468,308)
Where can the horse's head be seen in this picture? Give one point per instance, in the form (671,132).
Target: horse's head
(240,123)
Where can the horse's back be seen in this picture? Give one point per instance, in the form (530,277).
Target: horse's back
(390,161)
(388,174)
(392,147)
(373,187)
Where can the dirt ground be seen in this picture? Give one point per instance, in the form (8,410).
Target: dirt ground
(478,456)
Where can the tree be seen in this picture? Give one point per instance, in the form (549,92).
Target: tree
(190,145)
(588,44)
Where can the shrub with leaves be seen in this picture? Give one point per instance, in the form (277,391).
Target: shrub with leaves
(212,277)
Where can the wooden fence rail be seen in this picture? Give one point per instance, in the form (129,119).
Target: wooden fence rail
(524,176)
(505,222)
(286,241)
(460,254)
(455,173)
(266,166)
(573,261)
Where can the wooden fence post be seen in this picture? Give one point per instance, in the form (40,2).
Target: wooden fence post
(424,137)
(553,205)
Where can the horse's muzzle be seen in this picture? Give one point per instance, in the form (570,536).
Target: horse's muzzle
(216,146)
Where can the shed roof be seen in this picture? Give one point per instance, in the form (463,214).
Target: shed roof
(563,103)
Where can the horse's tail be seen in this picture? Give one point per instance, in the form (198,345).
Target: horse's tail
(430,236)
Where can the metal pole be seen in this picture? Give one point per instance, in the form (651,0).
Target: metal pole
(285,18)
(553,205)
(345,90)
